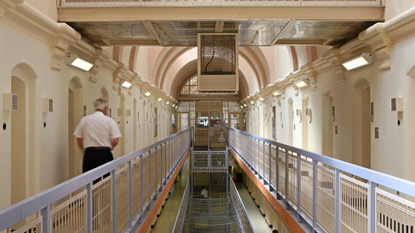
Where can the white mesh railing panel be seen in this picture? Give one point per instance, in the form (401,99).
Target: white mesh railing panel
(307,188)
(325,199)
(354,199)
(292,179)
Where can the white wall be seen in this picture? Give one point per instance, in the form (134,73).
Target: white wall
(47,157)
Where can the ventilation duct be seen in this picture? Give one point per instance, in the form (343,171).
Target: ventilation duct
(217,68)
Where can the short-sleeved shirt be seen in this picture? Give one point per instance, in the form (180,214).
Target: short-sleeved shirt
(97,130)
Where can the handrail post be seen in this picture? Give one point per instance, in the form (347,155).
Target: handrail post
(277,180)
(114,200)
(46,226)
(157,184)
(141,187)
(89,207)
(263,162)
(270,168)
(130,208)
(287,206)
(337,200)
(372,207)
(314,195)
(149,177)
(299,188)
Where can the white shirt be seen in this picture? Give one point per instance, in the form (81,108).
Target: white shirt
(204,193)
(97,130)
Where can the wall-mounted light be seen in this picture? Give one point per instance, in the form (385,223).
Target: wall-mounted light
(363,60)
(245,105)
(302,83)
(168,102)
(241,106)
(125,83)
(79,62)
(276,93)
(261,99)
(147,93)
(159,99)
(176,107)
(252,102)
(173,105)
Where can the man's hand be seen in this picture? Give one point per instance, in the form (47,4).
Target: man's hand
(114,142)
(80,142)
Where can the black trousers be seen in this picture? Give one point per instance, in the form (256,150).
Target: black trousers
(96,157)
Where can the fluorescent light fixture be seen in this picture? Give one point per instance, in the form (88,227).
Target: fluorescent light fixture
(147,93)
(261,99)
(302,83)
(159,99)
(245,105)
(173,105)
(252,102)
(363,60)
(167,103)
(78,62)
(126,84)
(276,93)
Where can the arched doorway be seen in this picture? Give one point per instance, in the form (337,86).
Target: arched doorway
(75,107)
(135,122)
(18,143)
(327,123)
(305,122)
(290,122)
(362,141)
(122,125)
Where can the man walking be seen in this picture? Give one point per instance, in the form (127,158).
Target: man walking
(97,135)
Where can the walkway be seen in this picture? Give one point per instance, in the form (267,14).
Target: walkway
(165,222)
(260,226)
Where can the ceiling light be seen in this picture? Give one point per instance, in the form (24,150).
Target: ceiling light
(245,105)
(159,99)
(147,93)
(78,62)
(126,84)
(302,83)
(276,93)
(363,60)
(252,102)
(167,103)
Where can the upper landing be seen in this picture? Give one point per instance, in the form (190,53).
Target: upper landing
(258,23)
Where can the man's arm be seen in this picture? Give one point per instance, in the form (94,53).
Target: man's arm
(114,142)
(80,142)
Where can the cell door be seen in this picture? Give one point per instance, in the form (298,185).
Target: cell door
(184,121)
(236,121)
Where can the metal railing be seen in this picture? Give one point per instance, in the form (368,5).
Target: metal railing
(178,225)
(240,209)
(331,195)
(98,3)
(110,205)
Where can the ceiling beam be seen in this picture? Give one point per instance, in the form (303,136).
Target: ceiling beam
(219,26)
(152,31)
(216,13)
(284,31)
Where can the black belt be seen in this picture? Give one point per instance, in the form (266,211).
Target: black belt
(98,148)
